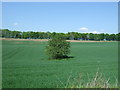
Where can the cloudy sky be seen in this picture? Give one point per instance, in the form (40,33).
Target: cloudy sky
(84,17)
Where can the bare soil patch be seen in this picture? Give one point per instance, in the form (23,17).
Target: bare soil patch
(47,40)
(24,39)
(86,41)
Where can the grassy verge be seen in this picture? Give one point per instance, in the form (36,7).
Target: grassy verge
(98,81)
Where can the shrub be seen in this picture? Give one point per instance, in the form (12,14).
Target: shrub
(57,48)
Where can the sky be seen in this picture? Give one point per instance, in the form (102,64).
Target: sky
(82,17)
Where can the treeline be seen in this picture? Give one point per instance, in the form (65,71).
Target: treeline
(5,33)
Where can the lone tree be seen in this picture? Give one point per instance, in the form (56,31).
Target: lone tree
(58,48)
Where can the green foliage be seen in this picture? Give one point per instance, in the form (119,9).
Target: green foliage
(5,33)
(58,48)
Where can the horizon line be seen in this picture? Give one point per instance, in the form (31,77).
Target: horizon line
(60,32)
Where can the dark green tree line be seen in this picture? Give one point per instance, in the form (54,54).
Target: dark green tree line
(5,33)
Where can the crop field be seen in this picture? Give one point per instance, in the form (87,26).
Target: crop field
(25,64)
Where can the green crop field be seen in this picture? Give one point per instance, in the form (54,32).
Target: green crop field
(25,64)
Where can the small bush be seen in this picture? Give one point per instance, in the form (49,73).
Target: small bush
(57,48)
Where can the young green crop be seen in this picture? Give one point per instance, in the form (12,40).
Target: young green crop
(25,64)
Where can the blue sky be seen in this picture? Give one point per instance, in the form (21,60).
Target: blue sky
(90,17)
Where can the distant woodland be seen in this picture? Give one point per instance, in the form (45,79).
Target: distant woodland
(5,33)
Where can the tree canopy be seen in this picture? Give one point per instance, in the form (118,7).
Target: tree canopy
(5,33)
(58,48)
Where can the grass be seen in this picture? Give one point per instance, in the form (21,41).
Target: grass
(97,81)
(25,65)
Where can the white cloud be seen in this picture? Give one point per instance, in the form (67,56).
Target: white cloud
(86,30)
(15,24)
(95,32)
(83,29)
